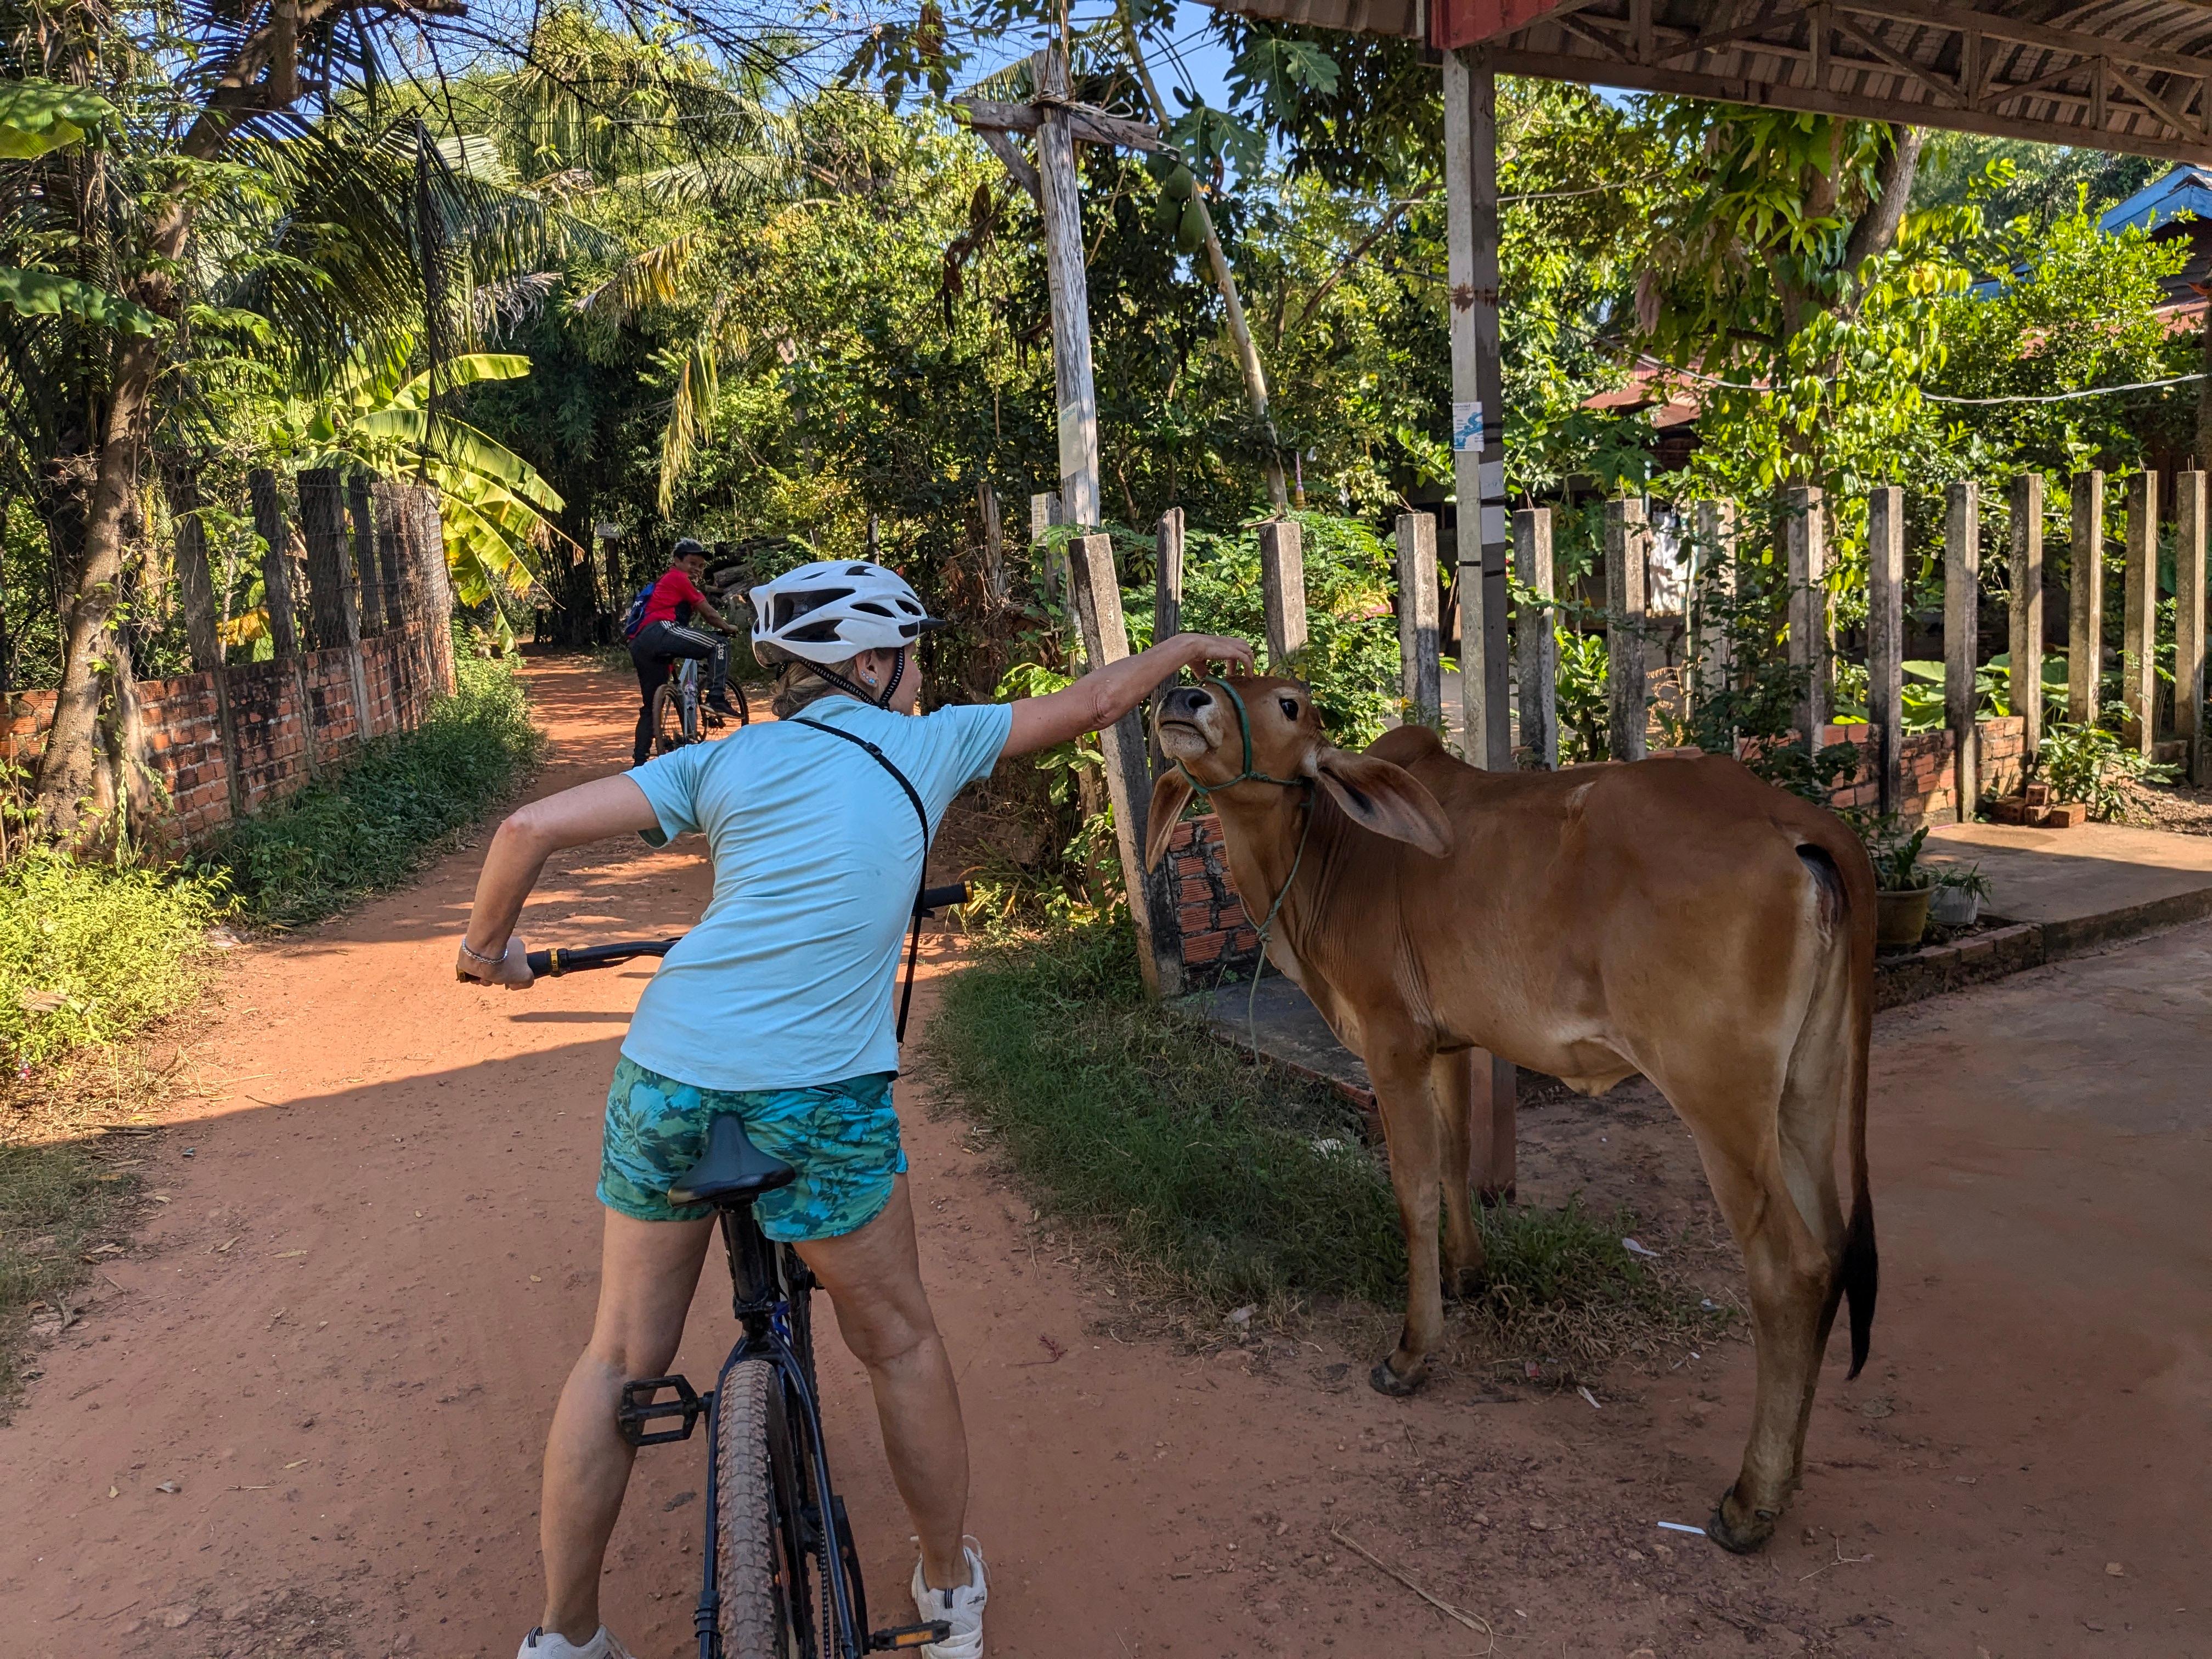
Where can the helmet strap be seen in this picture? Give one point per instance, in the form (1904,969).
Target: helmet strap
(882,699)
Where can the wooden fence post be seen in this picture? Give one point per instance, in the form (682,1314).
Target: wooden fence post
(1962,585)
(2085,610)
(1062,199)
(1627,545)
(364,555)
(398,593)
(429,549)
(994,542)
(1128,775)
(2025,640)
(1539,652)
(1885,641)
(1420,647)
(1805,533)
(1712,593)
(2188,625)
(276,561)
(195,583)
(2139,615)
(1283,585)
(1167,604)
(1052,562)
(330,581)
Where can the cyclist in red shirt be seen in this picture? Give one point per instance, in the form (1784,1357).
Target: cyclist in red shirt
(664,634)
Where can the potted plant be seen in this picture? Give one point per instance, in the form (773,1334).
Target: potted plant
(1903,884)
(1956,900)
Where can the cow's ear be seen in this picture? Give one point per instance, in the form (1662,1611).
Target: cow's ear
(1386,799)
(1169,796)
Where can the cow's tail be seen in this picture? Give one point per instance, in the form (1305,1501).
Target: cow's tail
(1846,895)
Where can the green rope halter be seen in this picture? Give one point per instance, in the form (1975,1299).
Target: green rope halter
(1249,775)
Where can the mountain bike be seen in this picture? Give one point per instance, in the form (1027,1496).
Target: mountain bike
(781,1575)
(677,713)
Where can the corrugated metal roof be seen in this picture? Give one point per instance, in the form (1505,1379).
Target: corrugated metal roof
(2183,190)
(2122,75)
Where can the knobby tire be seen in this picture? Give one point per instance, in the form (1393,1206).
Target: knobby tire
(668,720)
(753,1571)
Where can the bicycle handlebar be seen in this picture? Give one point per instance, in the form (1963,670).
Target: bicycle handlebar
(554,963)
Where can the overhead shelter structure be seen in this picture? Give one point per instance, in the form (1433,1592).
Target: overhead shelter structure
(2134,75)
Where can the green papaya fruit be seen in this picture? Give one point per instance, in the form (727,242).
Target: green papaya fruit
(1181,184)
(1190,232)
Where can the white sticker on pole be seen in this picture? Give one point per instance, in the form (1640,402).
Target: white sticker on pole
(1467,427)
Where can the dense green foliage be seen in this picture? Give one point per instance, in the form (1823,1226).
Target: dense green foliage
(90,953)
(377,822)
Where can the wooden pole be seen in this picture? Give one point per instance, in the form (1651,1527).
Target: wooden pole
(1044,515)
(196,584)
(276,561)
(994,542)
(1538,650)
(1885,642)
(1962,621)
(2188,623)
(1283,585)
(1420,647)
(2085,612)
(2026,640)
(1128,778)
(1805,533)
(330,609)
(1167,584)
(1627,543)
(1078,398)
(1713,593)
(1478,402)
(2139,615)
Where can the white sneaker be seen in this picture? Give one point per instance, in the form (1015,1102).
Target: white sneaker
(962,1608)
(542,1643)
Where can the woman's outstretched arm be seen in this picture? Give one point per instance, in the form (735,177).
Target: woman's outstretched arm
(1102,696)
(528,836)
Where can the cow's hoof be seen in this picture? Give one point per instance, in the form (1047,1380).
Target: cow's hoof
(1383,1380)
(1738,1530)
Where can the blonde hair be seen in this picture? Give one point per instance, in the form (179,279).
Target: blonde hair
(797,684)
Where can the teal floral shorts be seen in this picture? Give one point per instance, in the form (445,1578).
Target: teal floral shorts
(842,1138)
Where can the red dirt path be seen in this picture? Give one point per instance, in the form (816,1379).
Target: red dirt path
(342,1335)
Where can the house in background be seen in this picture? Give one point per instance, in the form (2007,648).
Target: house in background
(2175,208)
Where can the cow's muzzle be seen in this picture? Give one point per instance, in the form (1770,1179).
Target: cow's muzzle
(1186,722)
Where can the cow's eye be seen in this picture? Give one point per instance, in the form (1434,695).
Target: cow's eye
(1289,707)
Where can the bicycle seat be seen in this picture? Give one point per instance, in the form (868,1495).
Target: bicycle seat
(732,1171)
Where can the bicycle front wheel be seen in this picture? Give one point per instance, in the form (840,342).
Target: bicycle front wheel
(761,1556)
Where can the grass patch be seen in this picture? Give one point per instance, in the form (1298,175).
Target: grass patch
(1242,1181)
(89,954)
(369,828)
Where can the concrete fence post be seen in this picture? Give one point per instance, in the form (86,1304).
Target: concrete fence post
(2085,608)
(1627,545)
(1283,587)
(1962,621)
(1885,641)
(364,554)
(329,582)
(275,559)
(1712,594)
(2188,625)
(1420,643)
(2024,641)
(1537,649)
(398,599)
(2139,615)
(1805,537)
(1097,588)
(1167,604)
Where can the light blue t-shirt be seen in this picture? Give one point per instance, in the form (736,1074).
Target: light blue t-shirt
(787,981)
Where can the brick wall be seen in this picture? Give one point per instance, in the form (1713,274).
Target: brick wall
(1217,934)
(289,721)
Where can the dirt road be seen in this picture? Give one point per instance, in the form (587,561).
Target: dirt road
(303,1416)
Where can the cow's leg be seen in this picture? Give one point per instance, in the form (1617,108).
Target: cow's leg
(1814,1099)
(1789,1275)
(1410,1123)
(1450,1077)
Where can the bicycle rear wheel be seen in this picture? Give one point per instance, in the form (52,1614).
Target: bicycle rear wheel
(668,720)
(761,1559)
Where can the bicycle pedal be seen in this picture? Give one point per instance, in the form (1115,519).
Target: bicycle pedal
(910,1636)
(639,1407)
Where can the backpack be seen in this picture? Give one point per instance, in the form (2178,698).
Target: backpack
(634,618)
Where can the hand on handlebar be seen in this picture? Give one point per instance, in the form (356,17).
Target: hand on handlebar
(513,971)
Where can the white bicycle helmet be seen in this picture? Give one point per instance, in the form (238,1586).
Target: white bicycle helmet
(835,609)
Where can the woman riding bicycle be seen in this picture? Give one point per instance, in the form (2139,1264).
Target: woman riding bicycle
(778,1007)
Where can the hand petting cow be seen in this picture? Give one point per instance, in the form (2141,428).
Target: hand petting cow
(1677,918)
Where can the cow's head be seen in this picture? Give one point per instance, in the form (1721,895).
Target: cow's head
(1198,728)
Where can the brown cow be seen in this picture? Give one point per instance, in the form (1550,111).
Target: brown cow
(1675,918)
